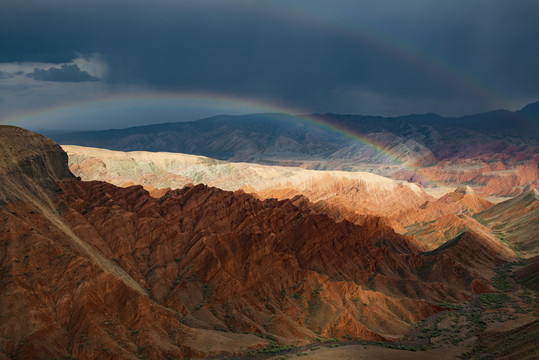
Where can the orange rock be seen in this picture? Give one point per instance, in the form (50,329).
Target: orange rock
(94,271)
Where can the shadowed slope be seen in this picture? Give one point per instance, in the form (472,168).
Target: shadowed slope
(436,232)
(528,275)
(516,344)
(464,200)
(517,220)
(29,163)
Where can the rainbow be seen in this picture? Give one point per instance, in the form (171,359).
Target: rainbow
(176,100)
(355,32)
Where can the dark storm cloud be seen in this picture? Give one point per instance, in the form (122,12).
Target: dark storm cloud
(5,75)
(66,73)
(299,53)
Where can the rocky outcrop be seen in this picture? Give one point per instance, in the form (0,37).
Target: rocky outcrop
(29,163)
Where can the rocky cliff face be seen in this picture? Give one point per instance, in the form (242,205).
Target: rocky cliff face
(29,162)
(94,271)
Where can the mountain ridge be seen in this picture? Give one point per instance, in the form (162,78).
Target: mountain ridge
(210,265)
(361,191)
(485,150)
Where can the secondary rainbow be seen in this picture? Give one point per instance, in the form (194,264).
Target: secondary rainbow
(400,48)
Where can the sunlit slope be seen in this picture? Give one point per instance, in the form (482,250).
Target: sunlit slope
(356,192)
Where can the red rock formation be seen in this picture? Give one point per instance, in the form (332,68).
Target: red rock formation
(493,175)
(341,195)
(95,271)
(437,232)
(463,200)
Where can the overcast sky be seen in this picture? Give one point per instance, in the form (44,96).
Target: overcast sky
(382,57)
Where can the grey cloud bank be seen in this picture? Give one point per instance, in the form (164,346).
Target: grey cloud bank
(385,57)
(66,73)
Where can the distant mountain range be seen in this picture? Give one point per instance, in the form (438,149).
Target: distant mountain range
(494,151)
(260,137)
